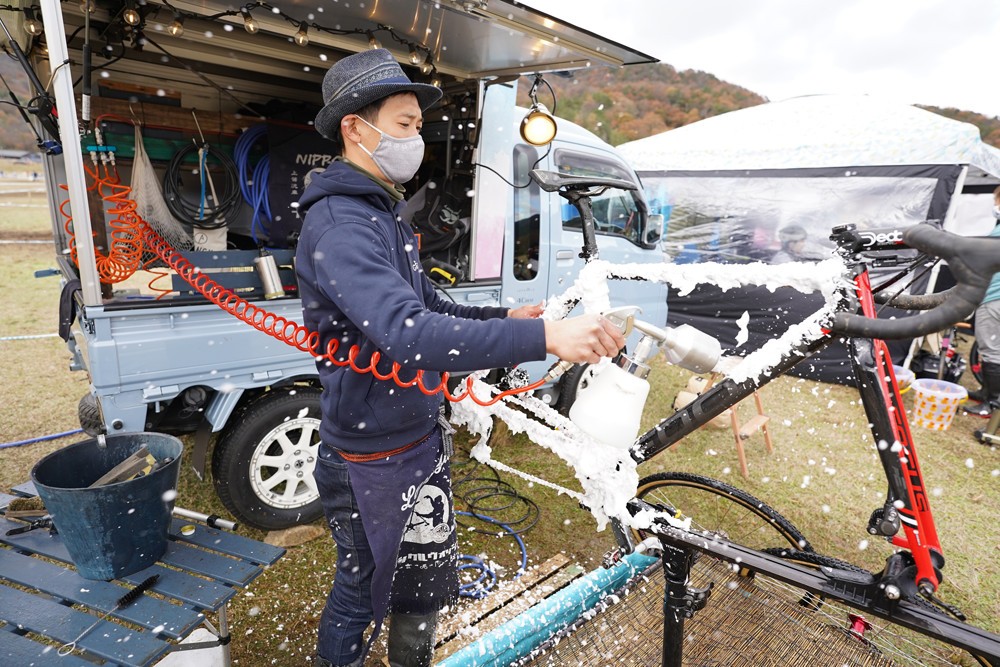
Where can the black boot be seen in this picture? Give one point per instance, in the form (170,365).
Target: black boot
(990,393)
(411,639)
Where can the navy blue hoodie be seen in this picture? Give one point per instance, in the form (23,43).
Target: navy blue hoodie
(361,283)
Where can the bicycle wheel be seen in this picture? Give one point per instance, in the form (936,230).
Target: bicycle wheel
(883,640)
(722,509)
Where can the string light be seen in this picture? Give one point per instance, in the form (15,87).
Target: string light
(373,42)
(416,56)
(131,16)
(177,27)
(302,36)
(31,24)
(87,6)
(249,22)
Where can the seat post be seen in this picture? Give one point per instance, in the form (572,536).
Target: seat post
(581,200)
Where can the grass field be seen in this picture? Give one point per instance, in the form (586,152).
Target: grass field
(823,475)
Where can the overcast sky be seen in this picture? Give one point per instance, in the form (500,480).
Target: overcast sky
(944,53)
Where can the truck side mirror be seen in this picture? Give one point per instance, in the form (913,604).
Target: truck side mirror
(654,229)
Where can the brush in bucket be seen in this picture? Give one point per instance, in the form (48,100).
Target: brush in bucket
(111,528)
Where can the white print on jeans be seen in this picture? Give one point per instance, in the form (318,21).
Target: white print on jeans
(429,522)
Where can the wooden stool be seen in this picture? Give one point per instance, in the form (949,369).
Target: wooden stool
(743,432)
(697,385)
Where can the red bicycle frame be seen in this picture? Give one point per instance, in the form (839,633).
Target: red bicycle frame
(907,493)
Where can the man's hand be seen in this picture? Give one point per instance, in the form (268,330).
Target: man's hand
(527,312)
(583,339)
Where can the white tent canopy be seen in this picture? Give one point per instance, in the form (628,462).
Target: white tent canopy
(815,131)
(737,187)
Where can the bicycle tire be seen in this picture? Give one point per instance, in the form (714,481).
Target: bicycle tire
(813,559)
(714,510)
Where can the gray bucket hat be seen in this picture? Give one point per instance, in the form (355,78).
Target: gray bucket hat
(356,81)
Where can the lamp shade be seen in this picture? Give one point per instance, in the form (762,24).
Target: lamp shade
(538,127)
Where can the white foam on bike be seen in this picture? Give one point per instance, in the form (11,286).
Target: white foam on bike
(608,475)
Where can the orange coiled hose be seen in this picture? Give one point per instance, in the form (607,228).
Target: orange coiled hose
(126,255)
(300,337)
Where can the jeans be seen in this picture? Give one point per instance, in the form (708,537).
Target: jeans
(348,609)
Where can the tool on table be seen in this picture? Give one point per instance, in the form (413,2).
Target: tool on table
(123,602)
(30,510)
(42,522)
(213,520)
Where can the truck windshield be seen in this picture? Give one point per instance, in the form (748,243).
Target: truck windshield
(616,212)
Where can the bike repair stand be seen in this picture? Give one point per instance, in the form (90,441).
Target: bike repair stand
(679,601)
(988,435)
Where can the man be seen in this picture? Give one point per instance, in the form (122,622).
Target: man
(383,472)
(793,243)
(988,334)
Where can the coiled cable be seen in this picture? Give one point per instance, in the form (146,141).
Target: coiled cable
(201,214)
(483,584)
(124,255)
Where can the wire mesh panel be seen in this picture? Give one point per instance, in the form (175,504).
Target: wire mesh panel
(747,623)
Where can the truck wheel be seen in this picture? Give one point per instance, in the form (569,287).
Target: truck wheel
(262,467)
(89,414)
(574,380)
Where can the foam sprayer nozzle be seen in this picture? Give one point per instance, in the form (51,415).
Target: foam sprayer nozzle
(691,349)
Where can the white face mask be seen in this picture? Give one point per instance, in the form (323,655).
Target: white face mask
(399,159)
(996,212)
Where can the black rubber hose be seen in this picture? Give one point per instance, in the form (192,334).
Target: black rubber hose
(191,212)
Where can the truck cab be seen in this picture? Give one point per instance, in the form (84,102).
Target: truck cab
(241,85)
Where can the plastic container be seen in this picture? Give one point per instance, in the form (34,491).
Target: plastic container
(935,402)
(113,530)
(904,378)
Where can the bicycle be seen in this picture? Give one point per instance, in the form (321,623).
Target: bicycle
(904,592)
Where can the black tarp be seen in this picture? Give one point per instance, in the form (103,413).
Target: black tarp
(736,216)
(710,309)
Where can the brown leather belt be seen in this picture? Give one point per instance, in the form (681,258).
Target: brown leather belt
(366,458)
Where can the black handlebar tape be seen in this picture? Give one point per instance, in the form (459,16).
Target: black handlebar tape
(972,260)
(913,301)
(961,304)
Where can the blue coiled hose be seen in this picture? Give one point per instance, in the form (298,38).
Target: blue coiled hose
(253,182)
(481,587)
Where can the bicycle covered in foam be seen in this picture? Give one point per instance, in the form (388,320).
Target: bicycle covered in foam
(905,592)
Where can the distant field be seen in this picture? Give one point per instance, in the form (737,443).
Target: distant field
(24,211)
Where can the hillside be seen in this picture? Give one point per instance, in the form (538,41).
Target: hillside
(989,128)
(635,102)
(14,133)
(618,105)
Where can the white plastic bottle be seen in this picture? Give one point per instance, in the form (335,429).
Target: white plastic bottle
(610,407)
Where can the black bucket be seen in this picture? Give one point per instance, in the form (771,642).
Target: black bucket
(112,530)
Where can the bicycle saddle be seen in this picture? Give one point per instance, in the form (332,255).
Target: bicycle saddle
(551,181)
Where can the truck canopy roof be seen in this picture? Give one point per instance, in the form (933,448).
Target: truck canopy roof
(468,39)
